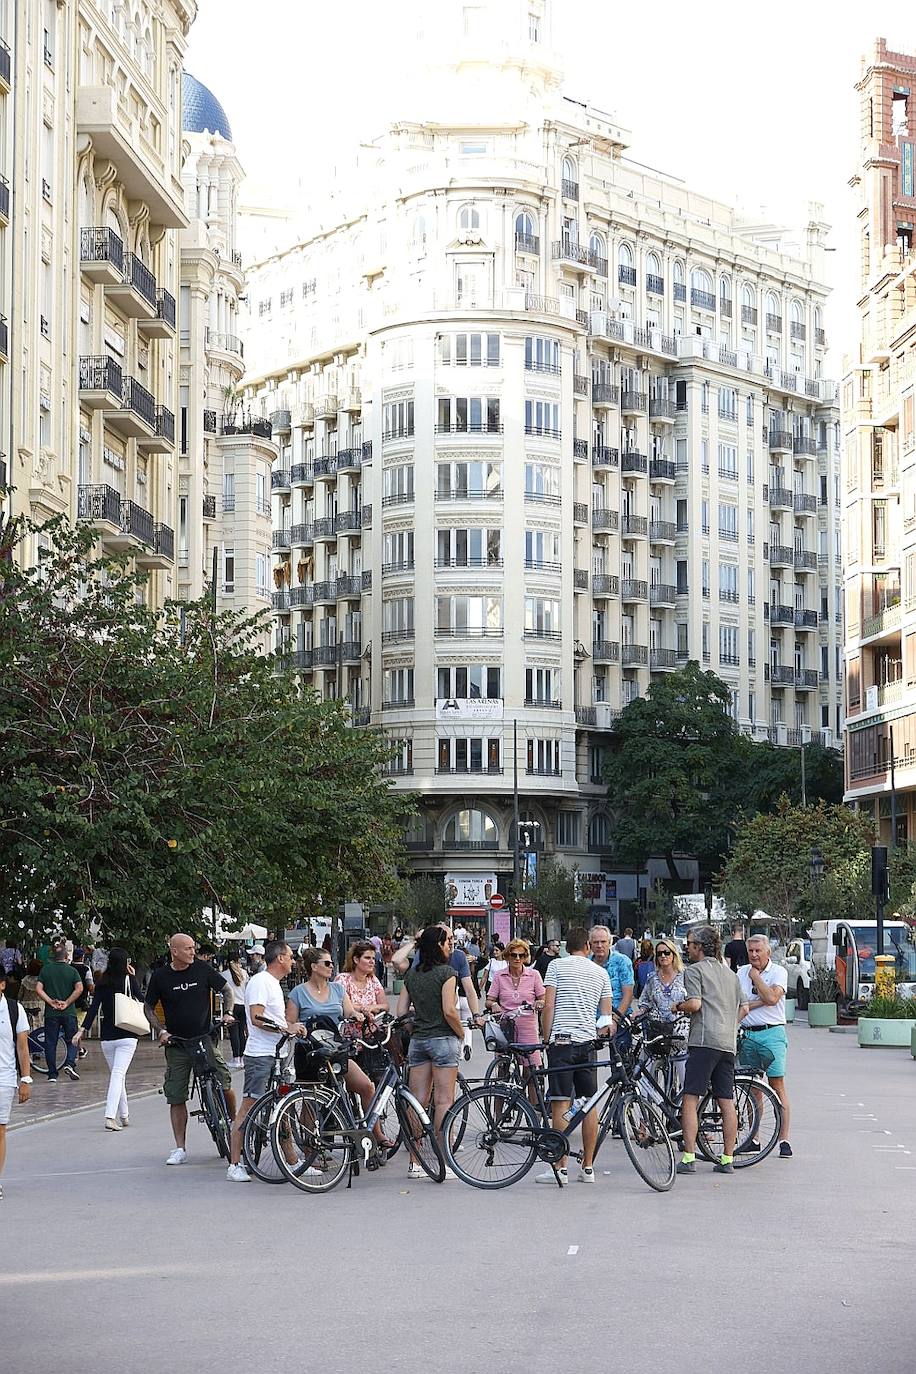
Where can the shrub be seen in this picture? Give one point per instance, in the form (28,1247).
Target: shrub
(889,1008)
(823,985)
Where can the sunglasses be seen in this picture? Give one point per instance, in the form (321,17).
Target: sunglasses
(515,956)
(323,963)
(660,952)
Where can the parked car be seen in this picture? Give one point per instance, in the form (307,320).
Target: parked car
(797,960)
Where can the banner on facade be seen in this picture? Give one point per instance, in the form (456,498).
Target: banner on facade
(469,889)
(469,708)
(597,888)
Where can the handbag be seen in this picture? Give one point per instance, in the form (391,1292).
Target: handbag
(128,1012)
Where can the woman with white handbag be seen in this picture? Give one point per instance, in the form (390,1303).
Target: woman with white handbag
(117,996)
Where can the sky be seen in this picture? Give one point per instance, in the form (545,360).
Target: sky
(754,106)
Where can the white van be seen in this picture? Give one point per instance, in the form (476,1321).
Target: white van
(848,948)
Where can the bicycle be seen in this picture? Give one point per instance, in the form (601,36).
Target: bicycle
(213,1109)
(503,1134)
(37,1050)
(510,1061)
(331,1136)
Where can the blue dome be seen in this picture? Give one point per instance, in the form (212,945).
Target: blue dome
(201,112)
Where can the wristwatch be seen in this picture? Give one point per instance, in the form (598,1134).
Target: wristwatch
(26,1079)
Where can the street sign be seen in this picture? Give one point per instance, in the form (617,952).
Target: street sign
(497,901)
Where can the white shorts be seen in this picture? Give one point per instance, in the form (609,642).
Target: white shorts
(7,1097)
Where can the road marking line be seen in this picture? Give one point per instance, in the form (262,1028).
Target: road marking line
(150,1271)
(573,1250)
(77,1173)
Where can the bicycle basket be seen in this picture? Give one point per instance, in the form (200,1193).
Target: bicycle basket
(494,1037)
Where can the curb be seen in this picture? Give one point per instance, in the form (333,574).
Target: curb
(73,1111)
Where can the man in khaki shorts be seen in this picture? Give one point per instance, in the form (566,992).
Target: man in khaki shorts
(184,986)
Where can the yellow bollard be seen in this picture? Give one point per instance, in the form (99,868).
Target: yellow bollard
(885,982)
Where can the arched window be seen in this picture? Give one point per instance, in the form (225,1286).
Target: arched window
(626,272)
(700,280)
(599,831)
(469,217)
(653,266)
(598,251)
(798,314)
(725,289)
(797,318)
(772,304)
(625,255)
(569,171)
(471,825)
(678,273)
(748,297)
(524,224)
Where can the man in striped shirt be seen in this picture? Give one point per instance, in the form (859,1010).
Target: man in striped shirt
(577,992)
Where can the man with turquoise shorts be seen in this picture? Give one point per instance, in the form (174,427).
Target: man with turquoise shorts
(763,985)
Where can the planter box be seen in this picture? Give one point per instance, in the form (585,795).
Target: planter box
(398,985)
(822,1013)
(873,1030)
(790,1009)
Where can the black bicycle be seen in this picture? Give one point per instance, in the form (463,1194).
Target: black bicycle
(205,1084)
(319,1133)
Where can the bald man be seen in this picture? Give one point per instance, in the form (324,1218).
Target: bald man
(184,986)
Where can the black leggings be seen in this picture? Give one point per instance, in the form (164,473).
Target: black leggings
(238,1032)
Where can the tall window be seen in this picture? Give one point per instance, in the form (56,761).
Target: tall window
(469,217)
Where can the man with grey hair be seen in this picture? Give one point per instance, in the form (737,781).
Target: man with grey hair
(617,967)
(714,1004)
(763,987)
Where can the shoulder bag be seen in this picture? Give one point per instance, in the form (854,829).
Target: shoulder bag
(128,1012)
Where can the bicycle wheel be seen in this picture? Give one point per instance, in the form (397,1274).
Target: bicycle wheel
(311,1125)
(216,1114)
(257,1150)
(419,1137)
(498,1132)
(759,1116)
(37,1050)
(609,1120)
(647,1142)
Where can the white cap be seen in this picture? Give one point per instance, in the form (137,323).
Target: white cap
(256,949)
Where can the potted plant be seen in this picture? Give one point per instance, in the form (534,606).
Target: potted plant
(887,1021)
(822,997)
(790,1009)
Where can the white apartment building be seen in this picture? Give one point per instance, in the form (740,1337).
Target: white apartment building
(225,453)
(550,424)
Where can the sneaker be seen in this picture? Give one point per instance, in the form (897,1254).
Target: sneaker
(52,1082)
(414,1170)
(237,1173)
(111,1124)
(720,1168)
(125,1122)
(178,1156)
(687,1166)
(1,1192)
(785,1150)
(561,1176)
(586,1175)
(70,1071)
(750,1147)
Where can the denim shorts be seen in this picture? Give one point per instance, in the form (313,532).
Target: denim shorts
(441,1051)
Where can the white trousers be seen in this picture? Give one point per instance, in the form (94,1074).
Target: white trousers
(118,1054)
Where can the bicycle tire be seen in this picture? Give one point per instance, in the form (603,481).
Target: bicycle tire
(751,1117)
(216,1115)
(419,1137)
(647,1142)
(609,1120)
(491,1115)
(767,1125)
(37,1047)
(325,1150)
(257,1150)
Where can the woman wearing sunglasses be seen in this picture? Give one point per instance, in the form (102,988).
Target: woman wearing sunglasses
(663,989)
(519,983)
(319,996)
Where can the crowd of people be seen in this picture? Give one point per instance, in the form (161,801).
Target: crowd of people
(449,977)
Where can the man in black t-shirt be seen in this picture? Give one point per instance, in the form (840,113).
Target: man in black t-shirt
(183,987)
(736,950)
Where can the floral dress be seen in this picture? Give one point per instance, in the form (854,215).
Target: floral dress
(365,997)
(658,998)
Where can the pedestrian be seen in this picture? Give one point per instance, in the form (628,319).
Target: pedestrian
(10,955)
(83,966)
(663,989)
(265,1009)
(618,967)
(736,951)
(577,991)
(763,986)
(546,956)
(15,1070)
(118,1046)
(185,986)
(387,952)
(714,1004)
(255,959)
(430,987)
(99,961)
(498,961)
(238,1029)
(626,945)
(518,985)
(408,956)
(645,965)
(28,994)
(59,987)
(367,995)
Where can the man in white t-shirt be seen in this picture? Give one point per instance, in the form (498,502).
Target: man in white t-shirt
(765,1046)
(577,992)
(265,1010)
(14,1046)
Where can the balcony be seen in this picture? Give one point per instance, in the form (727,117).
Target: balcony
(806,679)
(280,421)
(402,636)
(604,457)
(804,444)
(605,651)
(580,509)
(662,470)
(774,324)
(101,255)
(634,526)
(209,422)
(100,381)
(797,331)
(633,462)
(655,285)
(633,589)
(662,594)
(462,770)
(569,189)
(397,569)
(604,520)
(323,528)
(633,402)
(135,293)
(725,307)
(323,592)
(782,555)
(580,448)
(280,600)
(572,254)
(348,586)
(209,507)
(4,337)
(527,243)
(162,324)
(634,655)
(348,522)
(543,431)
(225,343)
(662,531)
(400,498)
(474,632)
(805,560)
(749,314)
(884,621)
(163,439)
(279,479)
(782,615)
(782,497)
(138,524)
(470,427)
(605,584)
(805,504)
(780,441)
(580,579)
(163,548)
(805,620)
(136,416)
(99,505)
(662,660)
(143,168)
(250,424)
(350,650)
(586,715)
(604,394)
(301,474)
(626,275)
(539,632)
(779,674)
(350,460)
(680,291)
(660,408)
(702,300)
(280,540)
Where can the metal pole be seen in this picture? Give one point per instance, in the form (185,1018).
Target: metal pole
(515,874)
(804,793)
(893,798)
(213,579)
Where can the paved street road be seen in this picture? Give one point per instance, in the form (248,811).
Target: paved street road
(116,1263)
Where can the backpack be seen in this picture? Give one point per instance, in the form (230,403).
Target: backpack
(12,1007)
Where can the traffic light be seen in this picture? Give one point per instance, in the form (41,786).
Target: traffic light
(879,873)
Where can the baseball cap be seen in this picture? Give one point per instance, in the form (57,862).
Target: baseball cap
(256,949)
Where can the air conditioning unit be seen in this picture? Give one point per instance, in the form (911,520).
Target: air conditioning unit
(604,718)
(782,734)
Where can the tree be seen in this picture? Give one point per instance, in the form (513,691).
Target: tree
(671,754)
(425,902)
(770,863)
(554,898)
(772,772)
(155,764)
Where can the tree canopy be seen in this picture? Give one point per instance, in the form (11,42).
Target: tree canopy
(554,899)
(155,764)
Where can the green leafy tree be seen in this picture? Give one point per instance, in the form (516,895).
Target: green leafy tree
(424,901)
(771,772)
(770,863)
(156,764)
(554,899)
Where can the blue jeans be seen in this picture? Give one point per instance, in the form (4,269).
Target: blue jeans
(59,1024)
